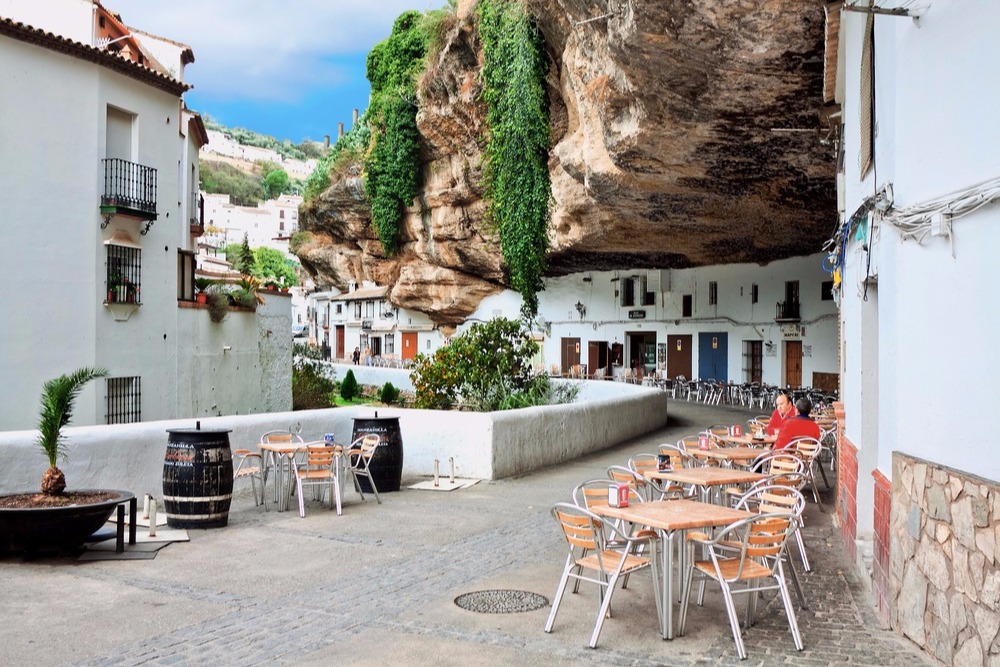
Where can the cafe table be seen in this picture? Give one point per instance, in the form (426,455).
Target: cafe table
(748,440)
(727,455)
(707,478)
(282,481)
(670,518)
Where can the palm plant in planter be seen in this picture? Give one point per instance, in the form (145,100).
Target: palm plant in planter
(58,396)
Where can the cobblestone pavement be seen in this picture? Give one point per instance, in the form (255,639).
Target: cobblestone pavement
(377,585)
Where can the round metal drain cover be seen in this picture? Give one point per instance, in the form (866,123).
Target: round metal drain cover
(501,601)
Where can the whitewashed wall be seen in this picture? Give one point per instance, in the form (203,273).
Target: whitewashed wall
(484,445)
(919,361)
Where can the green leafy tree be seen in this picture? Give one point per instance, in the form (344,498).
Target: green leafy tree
(486,368)
(276,183)
(310,389)
(221,178)
(272,265)
(349,386)
(58,396)
(517,147)
(388,394)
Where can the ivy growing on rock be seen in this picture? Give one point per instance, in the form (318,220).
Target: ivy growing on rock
(392,165)
(517,148)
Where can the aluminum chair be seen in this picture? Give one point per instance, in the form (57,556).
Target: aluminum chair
(590,552)
(320,467)
(274,461)
(250,465)
(359,459)
(761,544)
(810,449)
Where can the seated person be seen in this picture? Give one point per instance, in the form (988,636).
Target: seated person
(783,412)
(799,426)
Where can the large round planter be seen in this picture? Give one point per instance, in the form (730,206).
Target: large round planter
(387,463)
(197,478)
(55,528)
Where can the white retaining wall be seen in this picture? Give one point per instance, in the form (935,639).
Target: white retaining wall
(485,445)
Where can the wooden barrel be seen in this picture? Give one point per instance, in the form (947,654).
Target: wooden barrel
(197,478)
(387,462)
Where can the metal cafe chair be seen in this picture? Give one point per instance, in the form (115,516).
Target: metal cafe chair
(250,465)
(593,559)
(319,468)
(359,459)
(758,557)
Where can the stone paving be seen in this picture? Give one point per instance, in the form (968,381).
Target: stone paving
(377,585)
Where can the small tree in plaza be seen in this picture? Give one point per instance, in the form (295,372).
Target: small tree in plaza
(486,368)
(349,387)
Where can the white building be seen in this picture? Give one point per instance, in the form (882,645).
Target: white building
(919,316)
(271,223)
(220,144)
(101,222)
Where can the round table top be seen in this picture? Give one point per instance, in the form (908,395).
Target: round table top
(748,440)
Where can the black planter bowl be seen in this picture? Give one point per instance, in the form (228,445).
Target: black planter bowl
(60,529)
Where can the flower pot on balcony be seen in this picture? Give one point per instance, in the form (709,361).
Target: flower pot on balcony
(201,297)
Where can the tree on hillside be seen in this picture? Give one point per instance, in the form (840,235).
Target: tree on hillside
(276,183)
(271,264)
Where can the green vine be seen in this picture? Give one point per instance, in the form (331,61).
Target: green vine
(517,148)
(392,166)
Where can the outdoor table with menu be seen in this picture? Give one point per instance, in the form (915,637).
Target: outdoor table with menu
(670,518)
(708,477)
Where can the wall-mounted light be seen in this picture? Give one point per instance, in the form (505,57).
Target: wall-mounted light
(582,309)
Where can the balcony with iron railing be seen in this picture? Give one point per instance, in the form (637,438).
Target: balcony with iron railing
(129,189)
(786,311)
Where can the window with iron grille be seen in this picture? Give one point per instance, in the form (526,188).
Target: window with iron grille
(124,400)
(357,310)
(390,344)
(124,274)
(628,292)
(713,293)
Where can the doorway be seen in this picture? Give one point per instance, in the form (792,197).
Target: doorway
(570,353)
(679,356)
(642,350)
(713,356)
(597,356)
(409,345)
(793,363)
(340,342)
(753,360)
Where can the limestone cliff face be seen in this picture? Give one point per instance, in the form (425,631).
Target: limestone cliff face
(685,133)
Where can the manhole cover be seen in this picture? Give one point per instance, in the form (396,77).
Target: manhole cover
(501,601)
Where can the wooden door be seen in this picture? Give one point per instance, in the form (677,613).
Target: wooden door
(793,363)
(340,342)
(570,353)
(409,345)
(679,356)
(597,356)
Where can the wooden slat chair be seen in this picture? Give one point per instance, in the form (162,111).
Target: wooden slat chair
(717,433)
(250,465)
(319,468)
(761,544)
(359,459)
(590,558)
(810,449)
(594,493)
(642,464)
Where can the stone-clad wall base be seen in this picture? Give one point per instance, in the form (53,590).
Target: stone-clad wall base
(944,543)
(881,590)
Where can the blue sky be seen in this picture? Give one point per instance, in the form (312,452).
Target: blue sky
(291,69)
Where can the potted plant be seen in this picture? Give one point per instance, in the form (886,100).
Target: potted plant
(114,283)
(202,284)
(55,518)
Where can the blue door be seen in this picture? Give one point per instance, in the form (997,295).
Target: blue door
(713,359)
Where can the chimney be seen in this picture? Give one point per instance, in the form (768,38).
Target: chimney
(354,118)
(326,142)
(340,130)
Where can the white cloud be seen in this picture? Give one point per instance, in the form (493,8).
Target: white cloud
(266,49)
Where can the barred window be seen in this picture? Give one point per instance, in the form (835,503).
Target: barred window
(713,293)
(390,344)
(124,274)
(124,400)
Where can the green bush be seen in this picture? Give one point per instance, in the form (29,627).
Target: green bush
(485,368)
(310,389)
(388,394)
(349,387)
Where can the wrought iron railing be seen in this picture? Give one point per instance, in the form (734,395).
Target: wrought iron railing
(124,275)
(787,310)
(124,400)
(129,186)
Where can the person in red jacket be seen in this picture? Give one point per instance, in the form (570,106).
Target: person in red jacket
(782,413)
(799,426)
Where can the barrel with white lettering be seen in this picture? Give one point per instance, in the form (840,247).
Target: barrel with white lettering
(197,478)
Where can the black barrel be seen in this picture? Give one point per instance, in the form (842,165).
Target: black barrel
(387,462)
(197,478)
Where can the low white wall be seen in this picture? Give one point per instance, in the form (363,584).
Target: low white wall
(485,445)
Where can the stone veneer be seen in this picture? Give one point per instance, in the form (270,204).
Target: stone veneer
(944,549)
